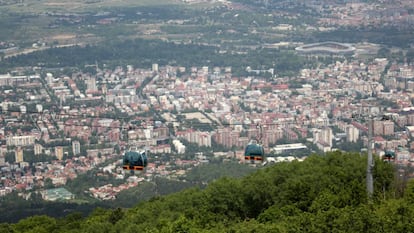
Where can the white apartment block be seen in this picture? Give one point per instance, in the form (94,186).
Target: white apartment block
(179,147)
(26,140)
(352,133)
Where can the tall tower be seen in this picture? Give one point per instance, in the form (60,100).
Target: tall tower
(39,108)
(5,106)
(76,147)
(2,160)
(18,154)
(38,149)
(327,136)
(59,152)
(155,67)
(352,133)
(388,127)
(91,84)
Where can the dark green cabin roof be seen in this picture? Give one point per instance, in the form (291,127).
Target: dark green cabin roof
(254,150)
(135,158)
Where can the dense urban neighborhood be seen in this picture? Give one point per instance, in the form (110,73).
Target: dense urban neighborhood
(77,122)
(317,86)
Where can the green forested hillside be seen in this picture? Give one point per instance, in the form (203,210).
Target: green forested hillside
(321,194)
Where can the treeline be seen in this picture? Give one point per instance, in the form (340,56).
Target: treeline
(321,194)
(142,53)
(14,208)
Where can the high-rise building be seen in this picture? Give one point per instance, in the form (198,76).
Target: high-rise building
(222,136)
(388,127)
(204,139)
(59,152)
(377,127)
(179,147)
(49,78)
(104,89)
(23,109)
(76,147)
(383,127)
(2,160)
(39,108)
(18,155)
(352,133)
(25,140)
(329,136)
(325,136)
(410,118)
(38,149)
(155,67)
(5,106)
(91,84)
(3,151)
(205,69)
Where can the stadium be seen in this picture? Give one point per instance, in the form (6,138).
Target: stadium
(330,47)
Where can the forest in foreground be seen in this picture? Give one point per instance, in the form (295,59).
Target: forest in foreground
(321,194)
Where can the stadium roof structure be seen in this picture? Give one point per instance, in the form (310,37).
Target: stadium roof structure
(328,47)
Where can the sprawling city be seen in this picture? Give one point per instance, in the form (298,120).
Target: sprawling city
(303,80)
(327,109)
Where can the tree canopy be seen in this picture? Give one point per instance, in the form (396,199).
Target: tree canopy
(321,194)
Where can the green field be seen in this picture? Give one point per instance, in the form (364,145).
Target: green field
(37,7)
(27,22)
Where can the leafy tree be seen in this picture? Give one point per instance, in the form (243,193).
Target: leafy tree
(6,228)
(41,224)
(10,157)
(321,194)
(116,215)
(71,222)
(48,184)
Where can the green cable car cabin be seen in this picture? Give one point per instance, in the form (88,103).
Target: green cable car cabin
(389,156)
(254,152)
(135,160)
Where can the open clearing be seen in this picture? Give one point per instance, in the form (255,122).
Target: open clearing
(199,116)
